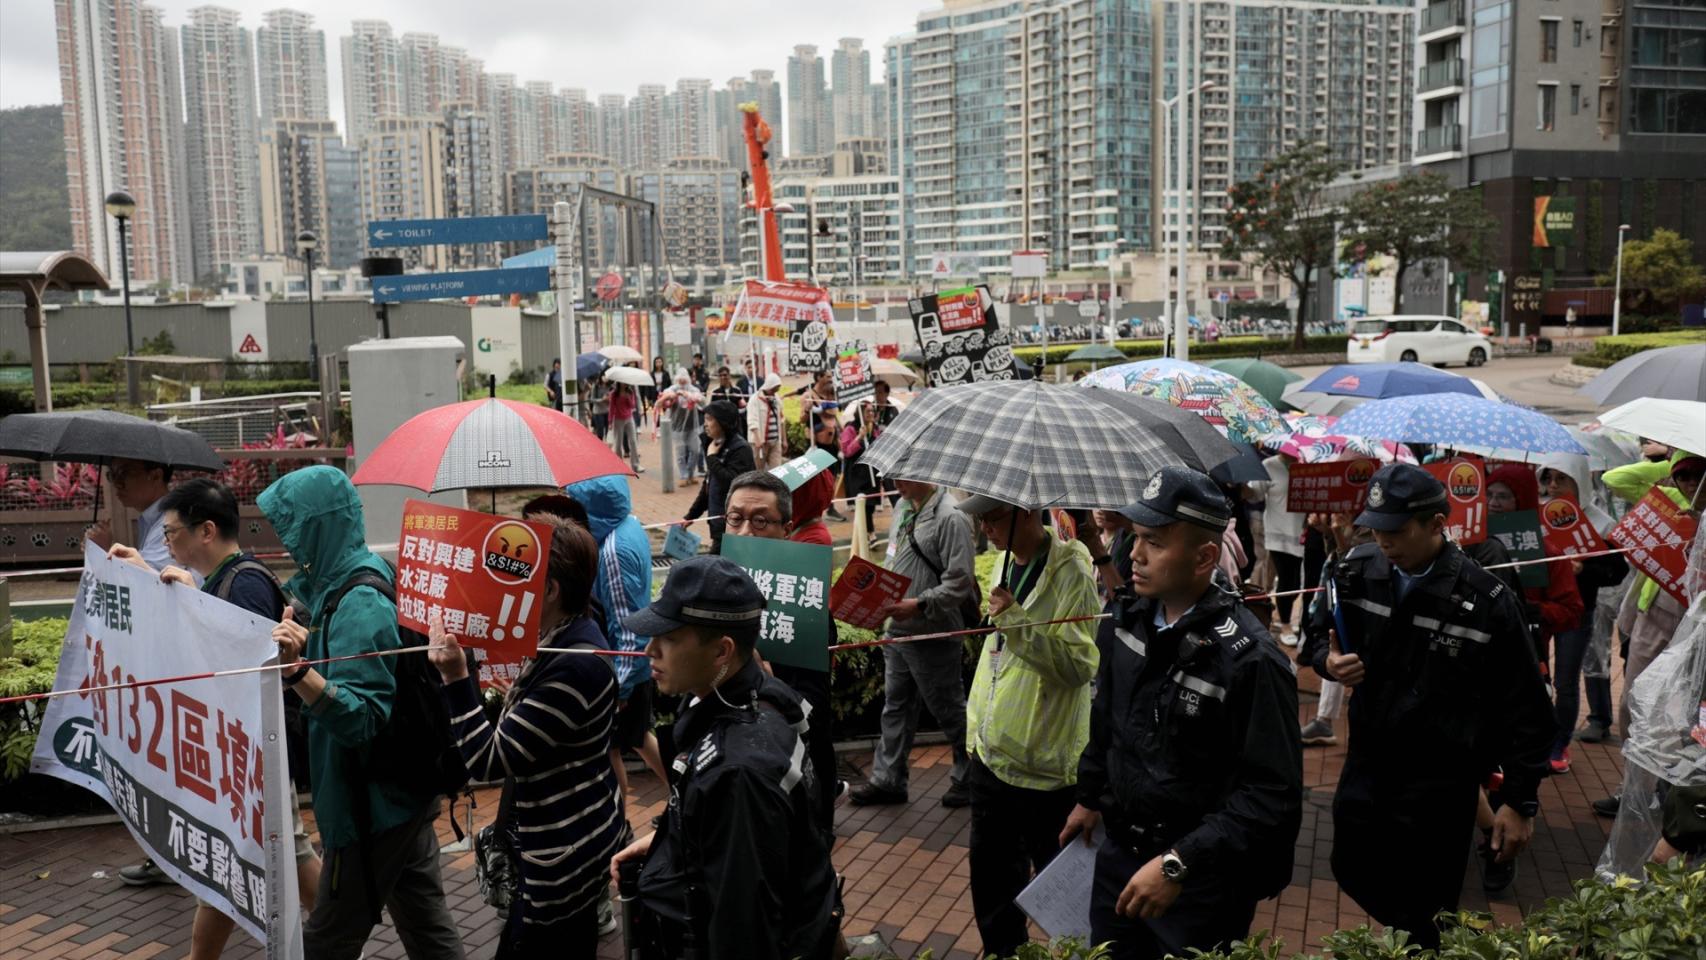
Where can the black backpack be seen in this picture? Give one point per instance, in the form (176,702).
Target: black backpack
(414,749)
(295,724)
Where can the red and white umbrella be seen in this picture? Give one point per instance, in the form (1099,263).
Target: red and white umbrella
(489,443)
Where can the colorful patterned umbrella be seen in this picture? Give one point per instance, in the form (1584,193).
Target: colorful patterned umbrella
(1269,379)
(1453,419)
(1315,439)
(1233,406)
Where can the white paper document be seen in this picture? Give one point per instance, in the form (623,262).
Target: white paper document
(1059,898)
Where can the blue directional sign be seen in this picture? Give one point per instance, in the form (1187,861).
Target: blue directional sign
(542,257)
(462,283)
(418,233)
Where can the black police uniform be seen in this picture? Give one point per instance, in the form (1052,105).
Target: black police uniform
(1451,693)
(1195,749)
(739,866)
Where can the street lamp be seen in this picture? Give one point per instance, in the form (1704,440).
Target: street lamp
(121,206)
(1113,252)
(1182,330)
(307,242)
(1617,290)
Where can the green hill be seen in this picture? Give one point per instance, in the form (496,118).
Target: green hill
(34,212)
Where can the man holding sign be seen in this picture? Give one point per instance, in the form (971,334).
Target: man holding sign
(933,546)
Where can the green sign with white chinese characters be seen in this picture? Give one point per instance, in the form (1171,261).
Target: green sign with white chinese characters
(1519,531)
(797,471)
(794,578)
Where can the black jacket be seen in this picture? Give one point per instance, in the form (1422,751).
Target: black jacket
(739,858)
(1194,742)
(1452,690)
(731,460)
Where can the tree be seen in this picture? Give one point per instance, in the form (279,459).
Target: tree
(1663,266)
(1416,218)
(1282,219)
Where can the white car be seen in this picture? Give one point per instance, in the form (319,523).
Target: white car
(1416,339)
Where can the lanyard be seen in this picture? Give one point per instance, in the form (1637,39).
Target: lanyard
(1027,578)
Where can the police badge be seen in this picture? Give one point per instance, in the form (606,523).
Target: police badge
(1154,489)
(1376,495)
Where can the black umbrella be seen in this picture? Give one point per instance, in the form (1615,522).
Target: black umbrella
(101,436)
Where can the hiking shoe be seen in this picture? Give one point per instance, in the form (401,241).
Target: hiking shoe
(1561,761)
(1594,732)
(1288,638)
(1319,733)
(958,795)
(144,874)
(1608,806)
(606,917)
(1496,877)
(871,795)
(842,788)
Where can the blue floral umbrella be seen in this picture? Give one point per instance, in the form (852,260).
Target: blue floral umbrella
(1454,419)
(1231,405)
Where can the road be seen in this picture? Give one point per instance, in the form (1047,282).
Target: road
(1525,380)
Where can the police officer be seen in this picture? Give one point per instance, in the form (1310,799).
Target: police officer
(1446,691)
(1195,766)
(738,865)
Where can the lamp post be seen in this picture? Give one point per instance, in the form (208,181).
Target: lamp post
(307,242)
(1113,253)
(1617,289)
(121,206)
(1178,171)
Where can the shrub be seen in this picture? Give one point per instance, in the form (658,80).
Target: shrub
(1608,350)
(30,669)
(1220,349)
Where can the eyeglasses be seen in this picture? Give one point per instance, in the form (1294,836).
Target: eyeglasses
(758,523)
(1691,476)
(169,532)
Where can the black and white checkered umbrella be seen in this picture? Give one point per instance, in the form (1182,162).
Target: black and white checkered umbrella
(1039,445)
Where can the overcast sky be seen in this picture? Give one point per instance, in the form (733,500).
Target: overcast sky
(602,47)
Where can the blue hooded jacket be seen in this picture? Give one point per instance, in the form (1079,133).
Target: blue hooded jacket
(624,583)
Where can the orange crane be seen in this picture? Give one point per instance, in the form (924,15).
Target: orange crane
(763,203)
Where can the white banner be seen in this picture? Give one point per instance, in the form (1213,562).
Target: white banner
(196,768)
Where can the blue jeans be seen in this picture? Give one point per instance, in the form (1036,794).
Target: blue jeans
(1569,648)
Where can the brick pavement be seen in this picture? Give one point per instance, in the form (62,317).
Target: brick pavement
(906,872)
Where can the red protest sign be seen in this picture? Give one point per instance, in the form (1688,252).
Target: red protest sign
(484,575)
(1465,480)
(1337,486)
(862,590)
(1566,529)
(1657,533)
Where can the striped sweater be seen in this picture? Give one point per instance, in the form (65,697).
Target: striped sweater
(553,743)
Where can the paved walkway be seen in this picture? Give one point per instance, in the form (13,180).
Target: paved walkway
(906,873)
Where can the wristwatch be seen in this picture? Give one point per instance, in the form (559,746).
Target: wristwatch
(1173,868)
(1528,808)
(296,678)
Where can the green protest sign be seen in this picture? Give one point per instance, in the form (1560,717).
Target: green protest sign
(794,578)
(797,471)
(1519,531)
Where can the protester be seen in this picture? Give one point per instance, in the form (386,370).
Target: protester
(826,436)
(816,397)
(559,816)
(760,505)
(746,382)
(376,825)
(1578,653)
(1341,534)
(701,377)
(1201,819)
(727,455)
(140,487)
(683,403)
(1282,535)
(554,386)
(764,423)
(624,407)
(1449,693)
(202,524)
(867,425)
(1115,543)
(811,500)
(661,381)
(933,547)
(1558,605)
(1028,717)
(727,391)
(738,868)
(599,403)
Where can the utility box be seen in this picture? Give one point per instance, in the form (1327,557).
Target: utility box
(391,381)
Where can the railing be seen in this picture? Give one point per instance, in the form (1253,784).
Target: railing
(1441,139)
(1439,16)
(1441,73)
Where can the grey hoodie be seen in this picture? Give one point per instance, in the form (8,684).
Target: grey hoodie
(943,534)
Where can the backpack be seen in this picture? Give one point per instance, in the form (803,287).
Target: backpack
(971,608)
(295,724)
(414,749)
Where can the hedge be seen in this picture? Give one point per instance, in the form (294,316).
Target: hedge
(1608,350)
(73,396)
(30,669)
(1220,349)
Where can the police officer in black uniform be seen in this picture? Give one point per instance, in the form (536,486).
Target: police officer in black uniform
(1446,692)
(738,866)
(1195,765)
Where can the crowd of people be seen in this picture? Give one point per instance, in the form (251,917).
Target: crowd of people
(1128,692)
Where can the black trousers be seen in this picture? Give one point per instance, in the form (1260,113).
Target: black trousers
(572,936)
(1402,858)
(1013,832)
(813,687)
(1208,914)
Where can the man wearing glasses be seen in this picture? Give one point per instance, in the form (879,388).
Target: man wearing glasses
(141,487)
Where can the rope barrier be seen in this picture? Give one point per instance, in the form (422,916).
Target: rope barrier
(1497,566)
(915,637)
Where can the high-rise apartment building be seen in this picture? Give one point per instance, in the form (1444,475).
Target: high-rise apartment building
(691,121)
(372,78)
(474,182)
(810,122)
(539,189)
(435,76)
(850,89)
(698,203)
(760,88)
(577,126)
(402,178)
(309,180)
(767,93)
(219,134)
(866,242)
(514,122)
(612,139)
(290,59)
(123,116)
(646,126)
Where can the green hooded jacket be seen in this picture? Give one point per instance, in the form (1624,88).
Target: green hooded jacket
(1631,482)
(317,514)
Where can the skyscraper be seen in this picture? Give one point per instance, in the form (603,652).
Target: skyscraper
(373,77)
(692,121)
(219,128)
(402,178)
(474,183)
(579,133)
(309,180)
(612,140)
(850,89)
(118,75)
(810,130)
(290,58)
(767,93)
(646,128)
